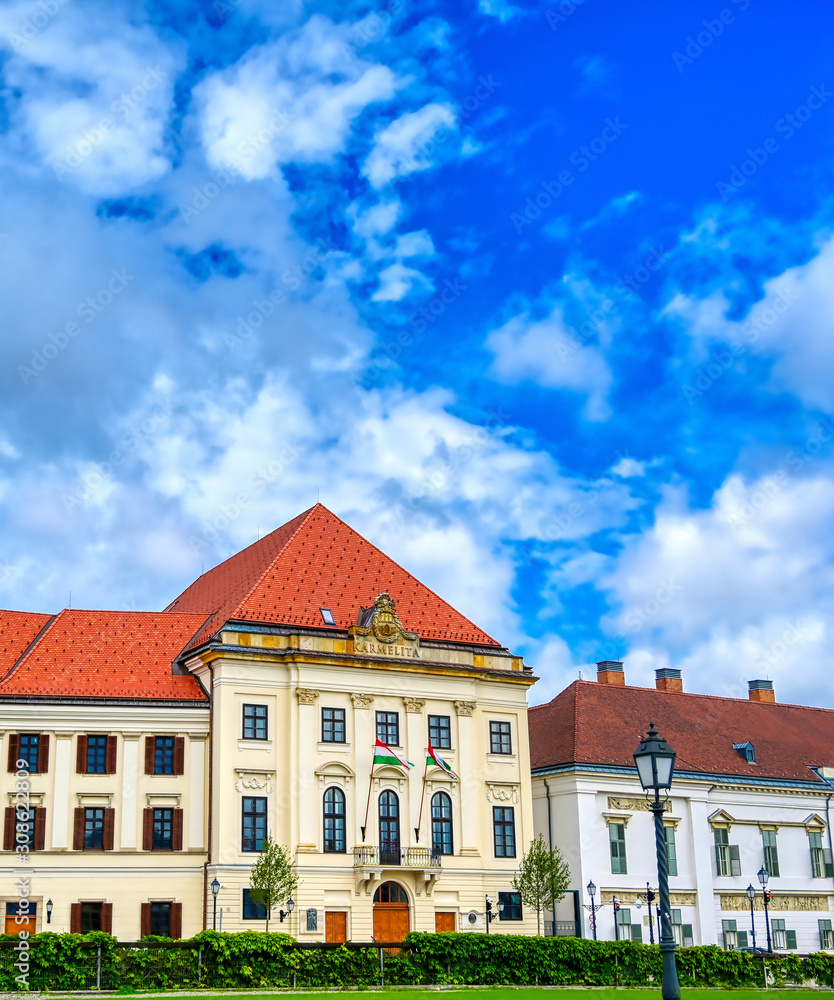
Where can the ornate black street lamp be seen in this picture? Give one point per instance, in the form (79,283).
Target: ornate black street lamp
(751,895)
(764,878)
(215,888)
(49,905)
(592,891)
(655,761)
(289,909)
(650,897)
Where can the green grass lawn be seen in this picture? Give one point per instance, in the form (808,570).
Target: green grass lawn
(519,993)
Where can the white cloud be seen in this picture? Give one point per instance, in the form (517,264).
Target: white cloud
(627,467)
(408,144)
(548,353)
(500,9)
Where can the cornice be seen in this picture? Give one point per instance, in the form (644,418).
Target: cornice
(68,717)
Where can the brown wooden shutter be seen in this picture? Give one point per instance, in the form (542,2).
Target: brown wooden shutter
(145,928)
(40,828)
(150,754)
(176,920)
(8,829)
(78,831)
(109,828)
(147,829)
(107,918)
(75,917)
(179,755)
(43,754)
(14,750)
(110,762)
(81,756)
(176,839)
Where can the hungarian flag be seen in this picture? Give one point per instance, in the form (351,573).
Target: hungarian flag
(385,755)
(432,757)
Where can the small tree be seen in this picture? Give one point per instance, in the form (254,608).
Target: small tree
(543,878)
(273,879)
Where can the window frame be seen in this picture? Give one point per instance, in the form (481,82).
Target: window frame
(500,732)
(337,821)
(671,849)
(94,832)
(619,857)
(161,754)
(162,906)
(771,852)
(445,825)
(97,749)
(500,825)
(334,723)
(256,720)
(513,906)
(32,768)
(89,910)
(436,722)
(250,811)
(247,902)
(385,727)
(159,844)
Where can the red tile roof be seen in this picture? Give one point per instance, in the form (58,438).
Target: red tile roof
(107,654)
(591,723)
(317,561)
(18,629)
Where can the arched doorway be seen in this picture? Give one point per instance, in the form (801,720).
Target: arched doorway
(391,921)
(389,829)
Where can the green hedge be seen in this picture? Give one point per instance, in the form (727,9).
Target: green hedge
(253,960)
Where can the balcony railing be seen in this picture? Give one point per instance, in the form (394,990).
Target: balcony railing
(406,857)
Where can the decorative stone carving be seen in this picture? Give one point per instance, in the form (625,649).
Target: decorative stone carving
(629,897)
(501,793)
(380,632)
(362,700)
(414,705)
(796,902)
(465,708)
(307,696)
(633,805)
(251,780)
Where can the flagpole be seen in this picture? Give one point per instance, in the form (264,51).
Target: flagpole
(370,786)
(422,799)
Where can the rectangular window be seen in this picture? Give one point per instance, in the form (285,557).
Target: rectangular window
(90,917)
(163,829)
(671,850)
(24,826)
(161,919)
(730,934)
(636,932)
(251,909)
(500,740)
(96,755)
(616,839)
(821,866)
(727,859)
(28,750)
(254,823)
(388,728)
(771,855)
(777,929)
(163,755)
(826,935)
(254,722)
(93,830)
(333,725)
(509,906)
(440,732)
(682,932)
(624,916)
(503,822)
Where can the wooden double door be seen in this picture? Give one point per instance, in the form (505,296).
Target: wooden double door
(335,926)
(391,918)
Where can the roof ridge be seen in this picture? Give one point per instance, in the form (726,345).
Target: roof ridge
(31,646)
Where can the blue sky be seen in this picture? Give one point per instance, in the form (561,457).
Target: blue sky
(539,298)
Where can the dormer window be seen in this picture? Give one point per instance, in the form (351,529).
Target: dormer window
(327,615)
(747,752)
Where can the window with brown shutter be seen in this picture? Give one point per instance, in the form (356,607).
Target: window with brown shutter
(179,755)
(14,749)
(109,828)
(81,756)
(150,754)
(110,767)
(176,839)
(40,828)
(78,835)
(8,829)
(147,829)
(75,916)
(43,754)
(107,918)
(145,926)
(176,920)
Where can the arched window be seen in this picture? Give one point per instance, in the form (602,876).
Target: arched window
(441,824)
(389,828)
(390,892)
(334,821)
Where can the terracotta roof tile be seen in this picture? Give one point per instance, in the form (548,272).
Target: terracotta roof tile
(107,654)
(18,629)
(317,561)
(592,723)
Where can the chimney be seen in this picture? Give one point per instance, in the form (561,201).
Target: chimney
(611,672)
(668,679)
(761,691)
